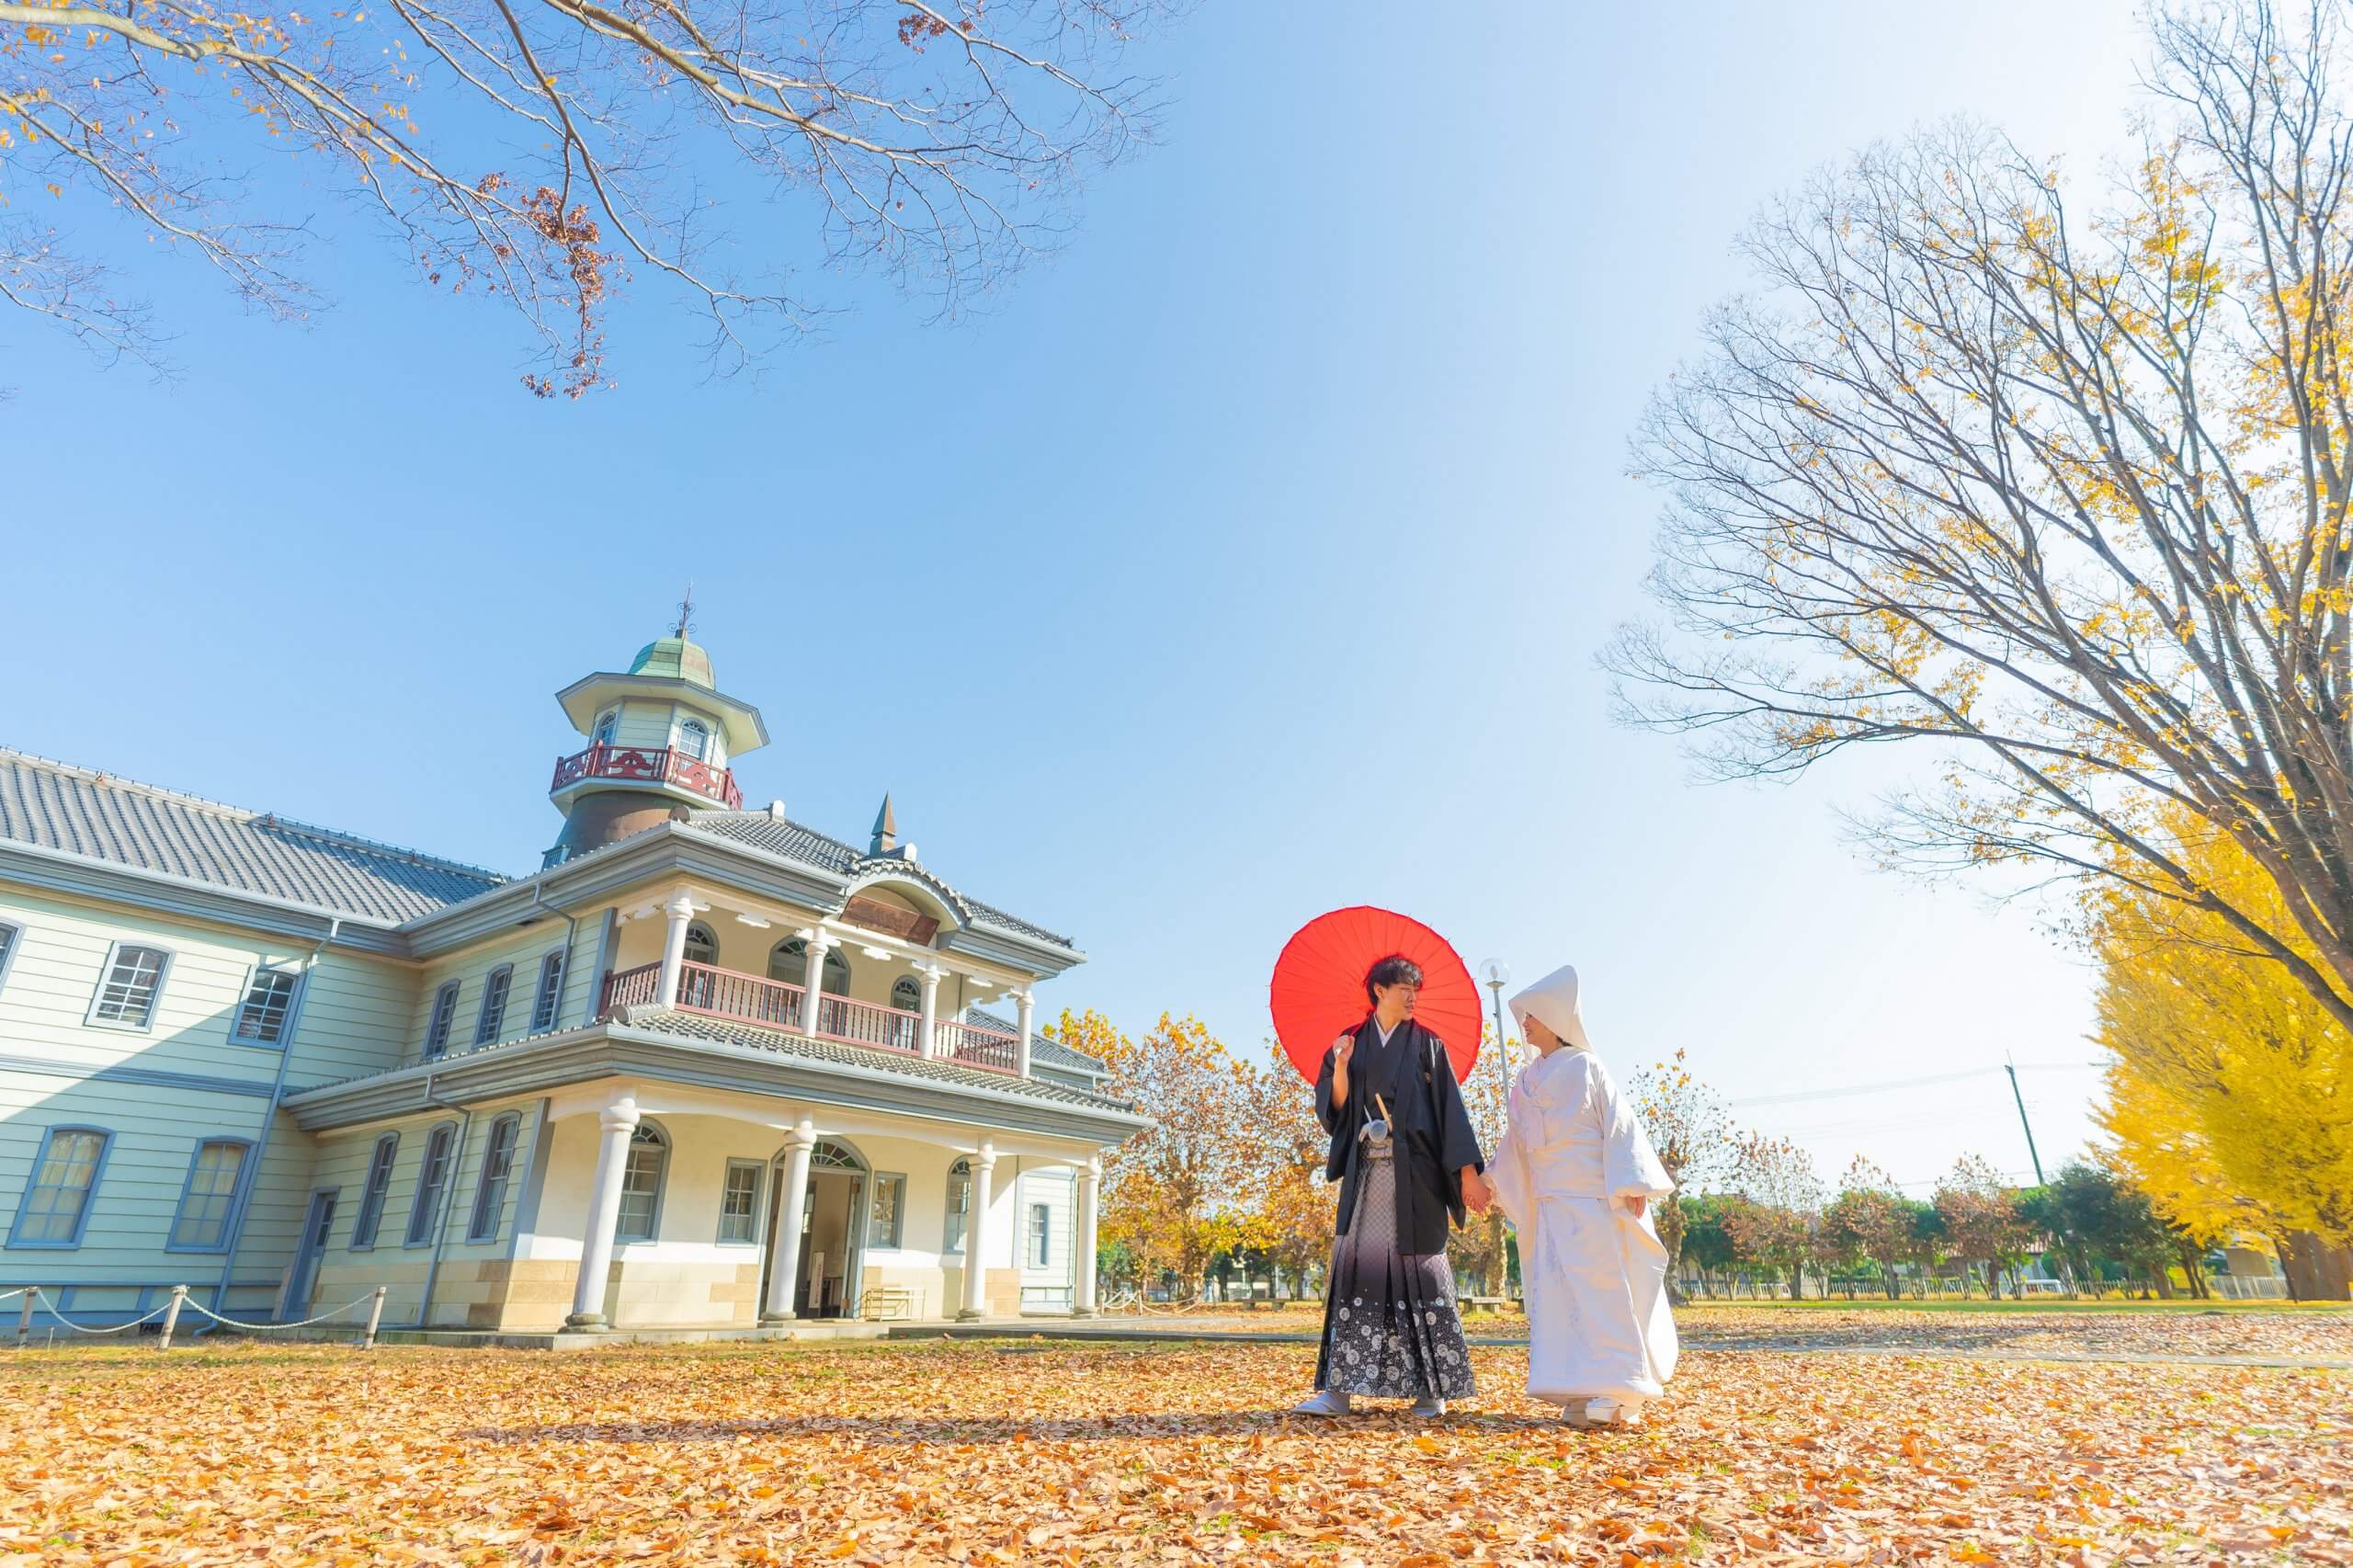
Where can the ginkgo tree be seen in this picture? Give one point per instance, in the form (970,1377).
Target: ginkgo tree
(2051,476)
(545,152)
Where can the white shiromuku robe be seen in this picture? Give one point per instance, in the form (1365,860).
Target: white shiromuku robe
(1598,1322)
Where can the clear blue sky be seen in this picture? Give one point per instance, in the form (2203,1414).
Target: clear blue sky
(1247,560)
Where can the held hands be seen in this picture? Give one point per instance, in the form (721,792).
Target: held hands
(1476,1193)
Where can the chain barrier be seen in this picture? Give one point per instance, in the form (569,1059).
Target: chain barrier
(265,1327)
(170,1313)
(51,1307)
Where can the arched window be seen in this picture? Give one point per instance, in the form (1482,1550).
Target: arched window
(432,1185)
(788,961)
(959,1205)
(829,1156)
(701,946)
(693,738)
(372,1197)
(605,722)
(497,1166)
(649,1158)
(907,994)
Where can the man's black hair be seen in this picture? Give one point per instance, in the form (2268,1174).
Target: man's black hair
(1395,969)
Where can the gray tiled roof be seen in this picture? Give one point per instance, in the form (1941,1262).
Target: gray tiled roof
(1044,1052)
(56,806)
(791,841)
(698,1026)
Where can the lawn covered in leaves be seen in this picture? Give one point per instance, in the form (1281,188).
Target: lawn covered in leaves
(1038,1451)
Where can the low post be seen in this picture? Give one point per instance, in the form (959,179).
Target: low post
(375,1316)
(172,1316)
(25,1318)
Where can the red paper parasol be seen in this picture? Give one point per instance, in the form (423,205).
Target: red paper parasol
(1317,994)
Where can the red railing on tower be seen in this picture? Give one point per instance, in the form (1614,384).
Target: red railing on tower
(649,765)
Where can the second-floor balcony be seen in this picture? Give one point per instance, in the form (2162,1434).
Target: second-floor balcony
(780,1005)
(650,765)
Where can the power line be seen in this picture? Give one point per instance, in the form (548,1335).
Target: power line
(1848,1089)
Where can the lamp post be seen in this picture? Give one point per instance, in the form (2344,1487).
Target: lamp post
(1494,974)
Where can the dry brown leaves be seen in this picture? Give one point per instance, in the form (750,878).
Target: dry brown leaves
(1029,1451)
(2030,1327)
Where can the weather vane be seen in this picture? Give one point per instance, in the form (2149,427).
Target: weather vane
(686,611)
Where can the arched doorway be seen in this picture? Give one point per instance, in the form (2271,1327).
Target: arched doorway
(788,961)
(833,1229)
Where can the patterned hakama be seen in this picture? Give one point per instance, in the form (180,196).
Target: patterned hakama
(1390,1328)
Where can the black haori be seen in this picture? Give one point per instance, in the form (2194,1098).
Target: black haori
(1391,1330)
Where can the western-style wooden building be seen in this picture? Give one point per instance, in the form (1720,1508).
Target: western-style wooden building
(706,1069)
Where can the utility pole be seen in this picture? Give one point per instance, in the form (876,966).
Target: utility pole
(2012,1068)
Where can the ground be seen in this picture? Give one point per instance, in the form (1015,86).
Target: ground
(1041,1450)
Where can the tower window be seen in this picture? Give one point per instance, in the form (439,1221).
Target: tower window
(605,722)
(693,738)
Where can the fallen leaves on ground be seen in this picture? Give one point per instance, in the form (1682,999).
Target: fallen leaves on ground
(1037,1451)
(2031,1326)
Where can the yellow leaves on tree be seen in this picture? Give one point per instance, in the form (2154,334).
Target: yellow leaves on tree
(2229,1099)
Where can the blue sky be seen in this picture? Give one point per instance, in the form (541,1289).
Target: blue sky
(1247,560)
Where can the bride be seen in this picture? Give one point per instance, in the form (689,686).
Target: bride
(1577,1174)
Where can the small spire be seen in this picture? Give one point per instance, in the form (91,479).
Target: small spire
(686,613)
(886,829)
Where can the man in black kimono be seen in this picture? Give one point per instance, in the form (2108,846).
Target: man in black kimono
(1408,1163)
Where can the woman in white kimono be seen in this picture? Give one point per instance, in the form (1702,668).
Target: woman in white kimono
(1577,1174)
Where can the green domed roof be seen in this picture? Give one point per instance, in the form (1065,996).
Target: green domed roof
(677,658)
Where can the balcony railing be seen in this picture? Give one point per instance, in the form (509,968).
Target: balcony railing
(777,1004)
(972,1045)
(630,988)
(649,765)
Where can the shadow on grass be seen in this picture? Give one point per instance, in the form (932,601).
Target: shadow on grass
(915,1430)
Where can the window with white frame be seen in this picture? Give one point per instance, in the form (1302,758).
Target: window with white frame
(959,1205)
(8,935)
(693,738)
(640,1211)
(605,722)
(202,1222)
(889,1210)
(268,1003)
(1041,1234)
(127,994)
(739,1203)
(492,1020)
(378,1187)
(701,946)
(497,1166)
(57,1200)
(432,1184)
(548,1000)
(445,1014)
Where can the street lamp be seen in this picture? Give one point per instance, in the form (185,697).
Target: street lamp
(1494,974)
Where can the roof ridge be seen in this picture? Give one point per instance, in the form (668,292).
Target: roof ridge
(245,814)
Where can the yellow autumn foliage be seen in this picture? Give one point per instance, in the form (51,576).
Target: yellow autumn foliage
(2230,1098)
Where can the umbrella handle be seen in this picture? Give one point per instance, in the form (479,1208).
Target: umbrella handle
(1382,1107)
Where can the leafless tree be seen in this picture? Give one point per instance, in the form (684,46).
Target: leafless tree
(543,151)
(2062,493)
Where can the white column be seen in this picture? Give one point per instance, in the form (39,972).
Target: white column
(931,973)
(1026,1008)
(1083,1304)
(614,1127)
(813,979)
(784,1248)
(679,911)
(976,1235)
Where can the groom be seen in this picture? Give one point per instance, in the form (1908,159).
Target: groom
(1407,1163)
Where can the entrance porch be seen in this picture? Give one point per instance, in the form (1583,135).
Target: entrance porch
(669,1208)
